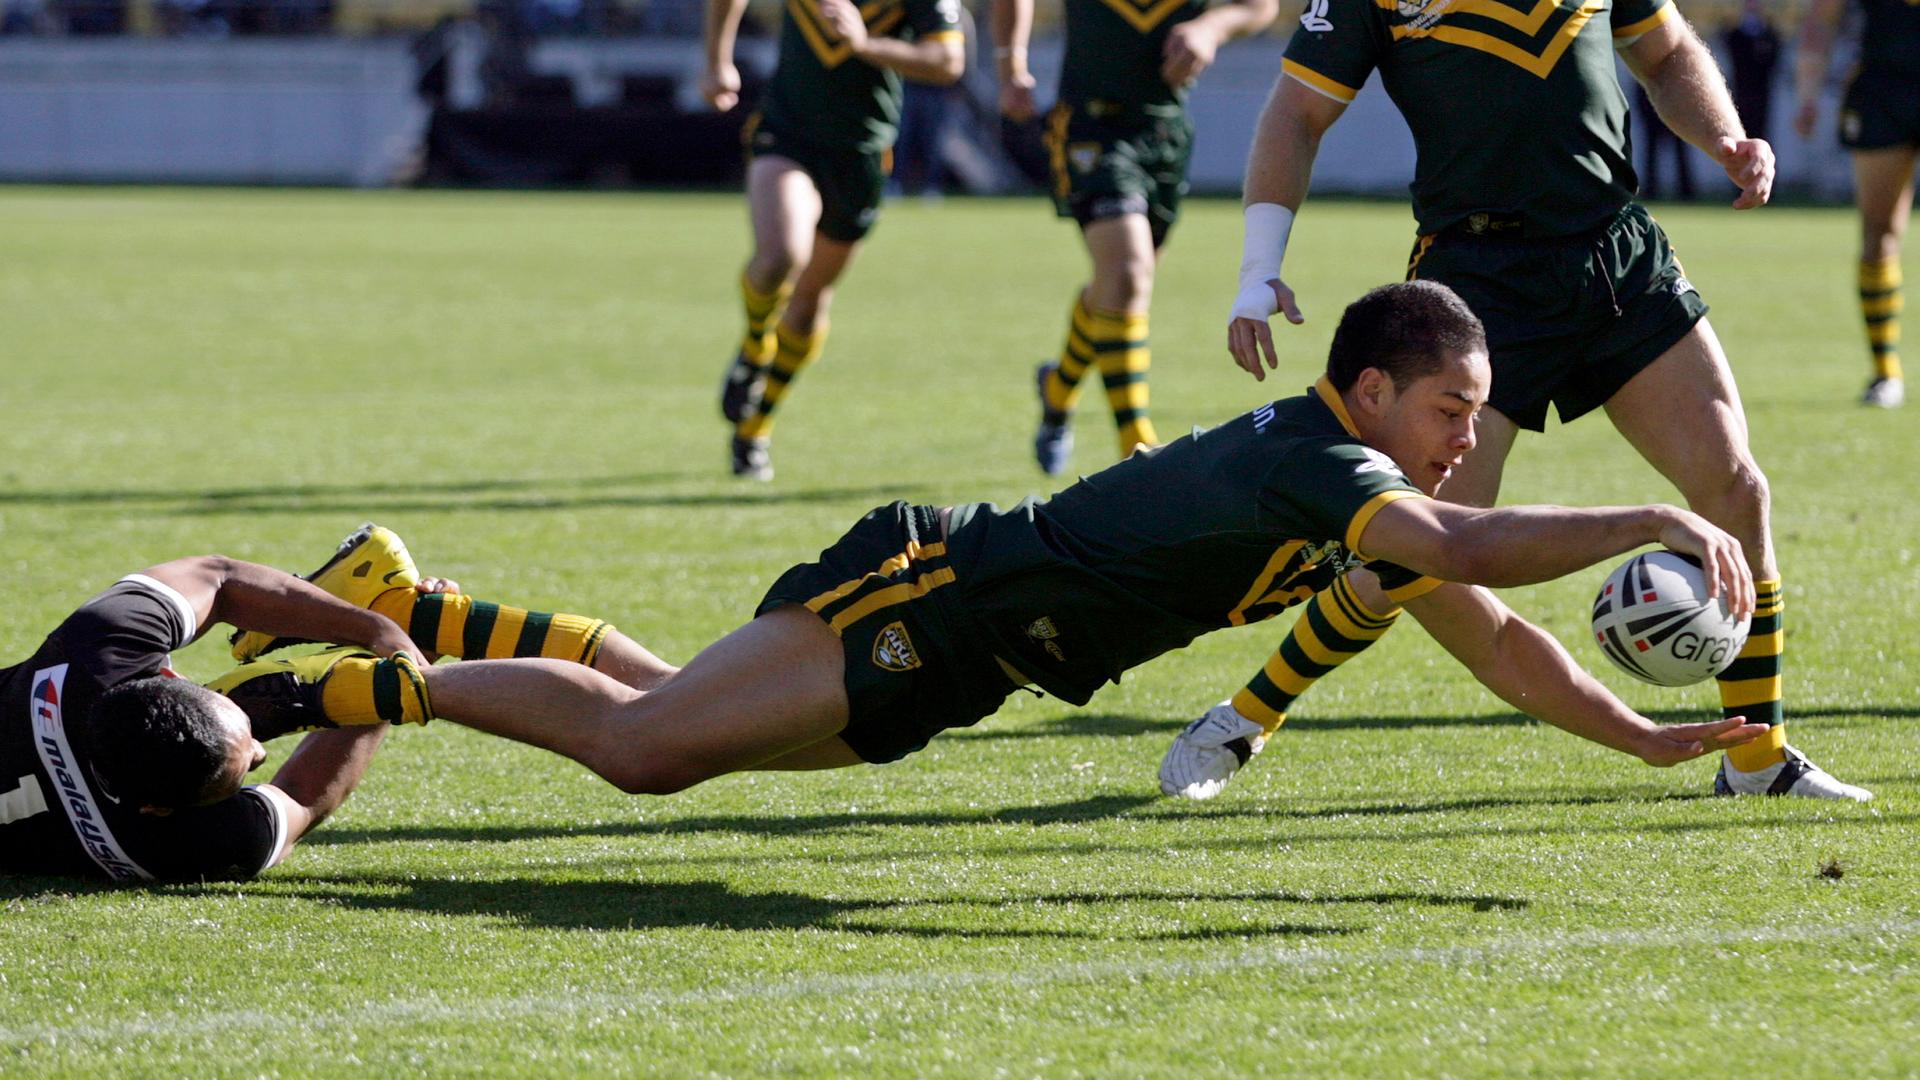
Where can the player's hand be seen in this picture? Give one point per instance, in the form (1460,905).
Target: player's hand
(1803,117)
(1016,96)
(1249,338)
(844,21)
(1721,560)
(720,86)
(428,585)
(1749,163)
(1670,745)
(390,639)
(1188,52)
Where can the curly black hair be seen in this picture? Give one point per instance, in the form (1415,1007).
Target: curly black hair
(158,742)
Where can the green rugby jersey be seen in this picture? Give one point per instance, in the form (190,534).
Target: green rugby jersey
(1115,49)
(821,95)
(1514,105)
(1220,528)
(1890,38)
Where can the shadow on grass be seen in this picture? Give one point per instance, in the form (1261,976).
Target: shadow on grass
(536,903)
(499,495)
(1119,724)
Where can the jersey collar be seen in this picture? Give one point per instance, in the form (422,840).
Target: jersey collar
(1331,398)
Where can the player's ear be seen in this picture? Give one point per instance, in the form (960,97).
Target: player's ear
(1372,389)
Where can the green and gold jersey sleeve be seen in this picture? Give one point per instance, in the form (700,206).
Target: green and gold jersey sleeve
(1334,487)
(1336,48)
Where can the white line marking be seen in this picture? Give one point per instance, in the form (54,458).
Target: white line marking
(361,1018)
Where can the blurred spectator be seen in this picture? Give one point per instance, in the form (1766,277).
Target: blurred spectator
(1660,139)
(1753,48)
(90,17)
(925,114)
(25,17)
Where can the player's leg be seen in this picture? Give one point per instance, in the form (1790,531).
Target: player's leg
(769,690)
(457,625)
(1883,181)
(1124,256)
(1683,414)
(785,207)
(800,336)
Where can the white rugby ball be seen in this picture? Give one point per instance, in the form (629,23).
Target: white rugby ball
(1654,620)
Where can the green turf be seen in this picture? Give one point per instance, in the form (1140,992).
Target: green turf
(1410,881)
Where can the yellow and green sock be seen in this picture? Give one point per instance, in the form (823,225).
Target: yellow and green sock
(1334,628)
(454,624)
(1121,348)
(1062,388)
(1881,300)
(793,351)
(1750,686)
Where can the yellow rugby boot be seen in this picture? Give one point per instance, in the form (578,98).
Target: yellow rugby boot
(370,561)
(343,687)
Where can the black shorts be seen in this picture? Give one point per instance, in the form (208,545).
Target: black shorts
(915,664)
(1569,320)
(1881,111)
(851,181)
(1108,161)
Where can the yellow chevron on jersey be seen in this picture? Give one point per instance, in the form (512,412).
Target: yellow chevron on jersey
(1435,19)
(1144,15)
(881,17)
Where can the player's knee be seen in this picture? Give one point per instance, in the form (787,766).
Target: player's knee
(654,777)
(770,267)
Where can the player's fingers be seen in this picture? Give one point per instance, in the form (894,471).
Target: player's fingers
(1263,334)
(1240,344)
(1283,298)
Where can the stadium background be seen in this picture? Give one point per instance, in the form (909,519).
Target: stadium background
(596,93)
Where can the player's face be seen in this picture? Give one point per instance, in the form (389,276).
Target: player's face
(244,752)
(1428,427)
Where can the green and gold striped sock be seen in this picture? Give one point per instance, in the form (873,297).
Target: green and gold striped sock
(1750,686)
(793,352)
(453,624)
(1334,628)
(1881,300)
(1121,348)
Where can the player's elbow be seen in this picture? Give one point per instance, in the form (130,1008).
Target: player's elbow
(948,66)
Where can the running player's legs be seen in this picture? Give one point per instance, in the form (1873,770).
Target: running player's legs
(1124,257)
(1883,182)
(772,689)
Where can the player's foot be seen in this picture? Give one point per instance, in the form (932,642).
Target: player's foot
(752,459)
(742,389)
(1208,752)
(1794,776)
(1885,394)
(1053,442)
(284,696)
(370,561)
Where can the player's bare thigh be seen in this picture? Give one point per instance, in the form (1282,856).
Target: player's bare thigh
(785,207)
(1683,414)
(769,689)
(1883,183)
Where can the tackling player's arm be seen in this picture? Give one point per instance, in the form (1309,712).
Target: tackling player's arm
(1810,59)
(322,771)
(1690,95)
(254,597)
(1522,545)
(720,80)
(1279,167)
(1011,23)
(938,58)
(1192,44)
(1529,670)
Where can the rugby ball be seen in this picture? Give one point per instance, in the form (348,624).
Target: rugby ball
(1654,620)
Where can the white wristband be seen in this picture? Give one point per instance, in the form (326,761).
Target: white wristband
(1267,226)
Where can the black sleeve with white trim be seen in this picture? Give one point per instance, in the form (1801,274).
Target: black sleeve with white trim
(127,631)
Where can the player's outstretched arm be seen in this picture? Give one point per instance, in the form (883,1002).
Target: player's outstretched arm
(1522,545)
(1529,670)
(1690,95)
(939,58)
(254,597)
(322,771)
(1279,167)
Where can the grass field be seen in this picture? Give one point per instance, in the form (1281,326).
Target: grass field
(1410,881)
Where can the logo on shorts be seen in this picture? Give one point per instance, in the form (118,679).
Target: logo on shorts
(1083,156)
(1043,631)
(1681,286)
(893,649)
